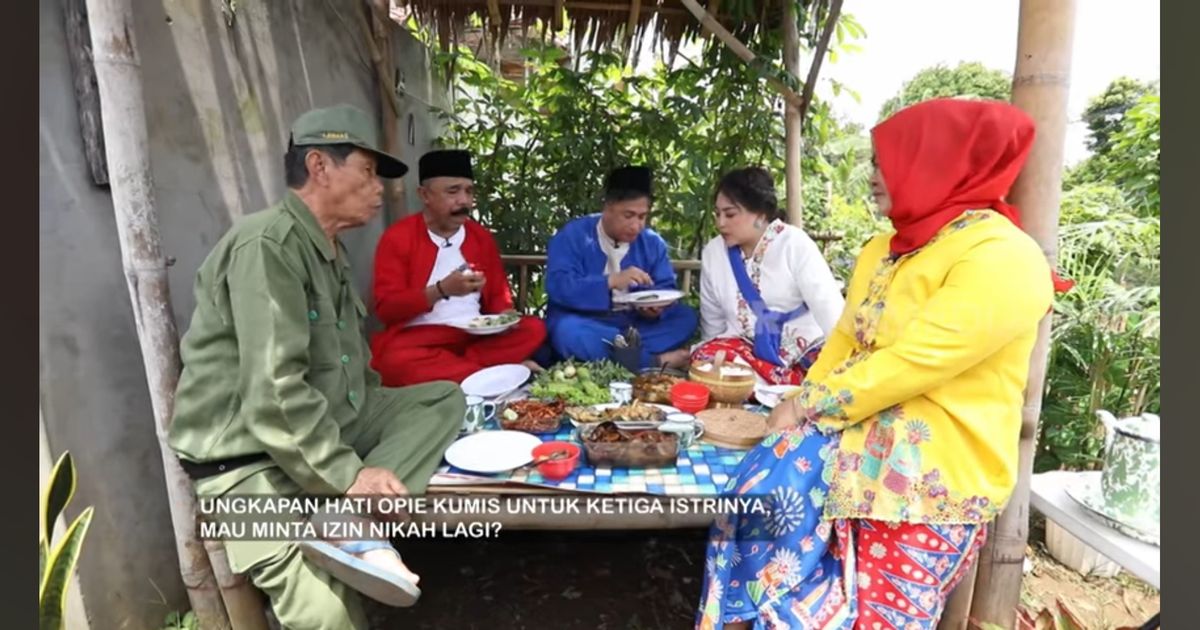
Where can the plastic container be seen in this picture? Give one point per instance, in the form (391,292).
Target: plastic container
(689,397)
(559,468)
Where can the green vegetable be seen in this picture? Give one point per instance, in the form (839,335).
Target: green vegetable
(589,385)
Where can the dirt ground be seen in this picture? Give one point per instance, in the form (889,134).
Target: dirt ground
(562,580)
(1100,603)
(651,580)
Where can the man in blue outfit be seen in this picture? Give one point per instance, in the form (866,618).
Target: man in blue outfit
(595,258)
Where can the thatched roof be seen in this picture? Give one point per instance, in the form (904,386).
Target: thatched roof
(598,24)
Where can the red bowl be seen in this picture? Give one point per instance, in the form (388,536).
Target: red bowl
(689,397)
(559,468)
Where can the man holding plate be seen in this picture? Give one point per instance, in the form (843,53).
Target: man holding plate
(608,272)
(441,290)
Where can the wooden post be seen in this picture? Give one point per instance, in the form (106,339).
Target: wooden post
(792,118)
(119,82)
(376,28)
(1040,87)
(87,101)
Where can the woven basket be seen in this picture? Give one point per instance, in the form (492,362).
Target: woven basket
(727,390)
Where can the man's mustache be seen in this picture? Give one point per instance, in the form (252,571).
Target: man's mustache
(460,212)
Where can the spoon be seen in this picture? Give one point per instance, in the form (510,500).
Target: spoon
(561,453)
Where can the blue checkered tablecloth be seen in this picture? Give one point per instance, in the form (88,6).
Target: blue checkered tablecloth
(702,469)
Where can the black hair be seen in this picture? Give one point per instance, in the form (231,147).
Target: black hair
(295,171)
(751,188)
(617,195)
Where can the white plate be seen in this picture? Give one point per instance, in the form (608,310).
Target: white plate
(649,299)
(666,408)
(770,395)
(1086,492)
(496,381)
(492,451)
(483,330)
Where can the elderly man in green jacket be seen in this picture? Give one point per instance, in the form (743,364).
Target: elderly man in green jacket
(276,396)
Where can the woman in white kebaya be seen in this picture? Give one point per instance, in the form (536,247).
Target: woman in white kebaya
(767,296)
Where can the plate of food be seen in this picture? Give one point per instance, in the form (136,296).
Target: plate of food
(654,387)
(649,299)
(637,414)
(488,324)
(531,415)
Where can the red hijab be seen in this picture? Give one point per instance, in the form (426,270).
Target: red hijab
(945,156)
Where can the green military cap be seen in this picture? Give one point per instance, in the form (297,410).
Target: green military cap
(345,124)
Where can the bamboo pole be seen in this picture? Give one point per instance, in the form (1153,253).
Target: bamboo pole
(793,123)
(1040,87)
(712,26)
(83,74)
(123,114)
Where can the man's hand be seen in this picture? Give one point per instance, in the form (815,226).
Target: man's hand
(651,312)
(783,416)
(377,482)
(631,276)
(462,283)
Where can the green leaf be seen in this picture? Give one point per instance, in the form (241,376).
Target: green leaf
(53,592)
(57,494)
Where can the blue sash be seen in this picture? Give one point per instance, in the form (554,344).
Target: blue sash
(768,327)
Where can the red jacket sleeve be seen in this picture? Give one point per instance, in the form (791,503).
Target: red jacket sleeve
(397,298)
(497,296)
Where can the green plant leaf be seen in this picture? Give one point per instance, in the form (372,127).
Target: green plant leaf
(53,591)
(57,494)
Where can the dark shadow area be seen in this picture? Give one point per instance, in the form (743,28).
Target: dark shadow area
(625,580)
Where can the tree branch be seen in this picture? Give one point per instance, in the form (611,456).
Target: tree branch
(835,12)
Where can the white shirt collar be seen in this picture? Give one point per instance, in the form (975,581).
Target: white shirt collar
(454,241)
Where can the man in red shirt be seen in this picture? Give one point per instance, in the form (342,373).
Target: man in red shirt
(436,268)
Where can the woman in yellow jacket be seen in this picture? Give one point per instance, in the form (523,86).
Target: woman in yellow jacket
(902,442)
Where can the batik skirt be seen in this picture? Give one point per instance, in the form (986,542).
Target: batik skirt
(788,568)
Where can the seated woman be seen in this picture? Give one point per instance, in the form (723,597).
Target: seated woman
(767,296)
(903,437)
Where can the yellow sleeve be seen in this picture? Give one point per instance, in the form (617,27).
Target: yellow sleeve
(837,348)
(840,343)
(997,291)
